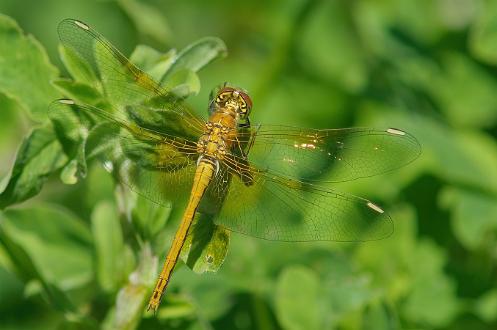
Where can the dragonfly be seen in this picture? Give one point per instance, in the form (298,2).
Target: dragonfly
(267,181)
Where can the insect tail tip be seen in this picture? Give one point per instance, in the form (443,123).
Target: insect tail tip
(153,308)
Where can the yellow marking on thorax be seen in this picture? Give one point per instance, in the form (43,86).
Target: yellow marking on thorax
(218,135)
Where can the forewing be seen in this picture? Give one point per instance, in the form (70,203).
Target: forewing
(124,84)
(152,164)
(282,209)
(331,155)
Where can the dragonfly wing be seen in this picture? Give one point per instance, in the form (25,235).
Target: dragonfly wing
(124,84)
(155,184)
(152,164)
(339,154)
(273,207)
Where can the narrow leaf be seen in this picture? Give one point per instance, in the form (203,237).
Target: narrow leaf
(39,156)
(147,19)
(109,246)
(197,55)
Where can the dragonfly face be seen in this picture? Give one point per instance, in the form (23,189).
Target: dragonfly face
(235,99)
(270,182)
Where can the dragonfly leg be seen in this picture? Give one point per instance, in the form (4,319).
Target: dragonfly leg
(252,138)
(245,124)
(244,147)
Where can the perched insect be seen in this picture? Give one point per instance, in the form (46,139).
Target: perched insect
(268,181)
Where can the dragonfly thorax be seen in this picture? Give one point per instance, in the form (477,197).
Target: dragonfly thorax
(218,133)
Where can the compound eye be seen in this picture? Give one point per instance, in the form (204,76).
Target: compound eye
(247,102)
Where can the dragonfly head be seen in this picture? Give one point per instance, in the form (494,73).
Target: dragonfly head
(235,98)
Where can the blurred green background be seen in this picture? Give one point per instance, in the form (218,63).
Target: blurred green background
(428,67)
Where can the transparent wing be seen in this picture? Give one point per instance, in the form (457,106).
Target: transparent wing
(123,83)
(276,208)
(153,164)
(338,154)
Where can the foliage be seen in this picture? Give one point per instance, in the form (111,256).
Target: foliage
(79,251)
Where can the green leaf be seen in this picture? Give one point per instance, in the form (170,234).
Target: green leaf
(78,91)
(69,174)
(478,160)
(11,290)
(57,298)
(37,245)
(80,139)
(111,74)
(152,61)
(349,292)
(132,297)
(314,48)
(388,258)
(379,316)
(72,137)
(445,83)
(206,245)
(433,297)
(183,83)
(177,72)
(297,299)
(39,318)
(39,156)
(26,72)
(61,302)
(109,246)
(79,69)
(161,121)
(211,294)
(462,76)
(197,55)
(483,34)
(100,138)
(12,130)
(147,19)
(149,218)
(474,216)
(176,308)
(40,237)
(376,24)
(411,273)
(486,306)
